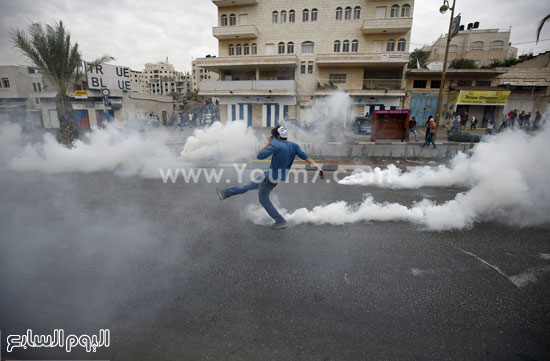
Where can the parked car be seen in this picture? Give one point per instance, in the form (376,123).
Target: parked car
(362,125)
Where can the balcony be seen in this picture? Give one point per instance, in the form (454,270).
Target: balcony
(248,87)
(225,3)
(249,62)
(368,87)
(387,26)
(235,32)
(347,59)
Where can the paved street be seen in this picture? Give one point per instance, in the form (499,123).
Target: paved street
(176,275)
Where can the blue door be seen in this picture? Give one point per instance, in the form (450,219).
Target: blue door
(422,106)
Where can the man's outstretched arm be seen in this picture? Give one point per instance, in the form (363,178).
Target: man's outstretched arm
(313,163)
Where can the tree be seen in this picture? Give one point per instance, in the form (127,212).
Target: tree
(418,57)
(463,64)
(541,25)
(51,51)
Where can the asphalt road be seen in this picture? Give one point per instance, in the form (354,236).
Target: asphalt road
(176,275)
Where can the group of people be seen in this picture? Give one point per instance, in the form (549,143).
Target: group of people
(430,131)
(200,117)
(520,121)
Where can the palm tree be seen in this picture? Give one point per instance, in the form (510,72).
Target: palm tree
(418,57)
(51,51)
(541,24)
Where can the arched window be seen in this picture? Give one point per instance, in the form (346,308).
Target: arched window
(338,13)
(290,48)
(281,48)
(401,45)
(394,11)
(337,46)
(231,50)
(345,46)
(291,16)
(406,11)
(477,45)
(246,49)
(283,16)
(254,49)
(223,20)
(308,47)
(357,12)
(354,46)
(391,45)
(305,15)
(314,14)
(232,20)
(274,17)
(497,44)
(238,49)
(347,13)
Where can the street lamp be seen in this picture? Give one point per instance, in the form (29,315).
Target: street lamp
(443,9)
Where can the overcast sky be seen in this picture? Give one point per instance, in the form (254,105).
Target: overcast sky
(140,31)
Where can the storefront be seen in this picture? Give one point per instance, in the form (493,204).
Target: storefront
(482,104)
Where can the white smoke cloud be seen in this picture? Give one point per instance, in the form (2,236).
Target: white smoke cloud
(231,141)
(508,177)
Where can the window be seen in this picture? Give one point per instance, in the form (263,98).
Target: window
(232,20)
(5,83)
(243,19)
(347,13)
(401,45)
(224,20)
(231,50)
(381,12)
(246,49)
(464,83)
(314,14)
(420,83)
(453,48)
(435,84)
(274,17)
(394,11)
(303,67)
(338,13)
(406,11)
(290,48)
(357,12)
(345,46)
(337,78)
(254,49)
(34,87)
(305,15)
(281,48)
(391,45)
(355,46)
(477,45)
(484,83)
(39,86)
(238,49)
(308,47)
(498,44)
(310,67)
(283,16)
(337,46)
(291,16)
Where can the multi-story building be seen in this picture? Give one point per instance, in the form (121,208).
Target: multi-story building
(278,57)
(482,45)
(160,78)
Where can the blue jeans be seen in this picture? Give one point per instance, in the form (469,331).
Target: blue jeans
(429,139)
(264,189)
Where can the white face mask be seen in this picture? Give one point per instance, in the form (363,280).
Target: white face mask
(282,132)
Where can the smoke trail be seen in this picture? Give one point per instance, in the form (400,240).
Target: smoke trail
(228,142)
(508,178)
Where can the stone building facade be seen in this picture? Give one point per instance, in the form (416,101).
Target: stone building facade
(277,58)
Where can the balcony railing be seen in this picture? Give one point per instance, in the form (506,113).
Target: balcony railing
(388,26)
(367,84)
(345,59)
(234,32)
(247,86)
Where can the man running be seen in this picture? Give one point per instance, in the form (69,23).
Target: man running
(283,153)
